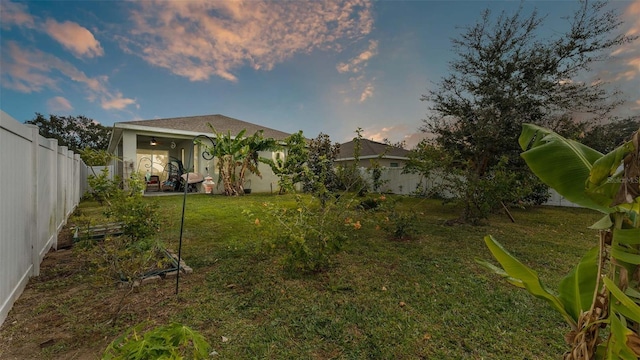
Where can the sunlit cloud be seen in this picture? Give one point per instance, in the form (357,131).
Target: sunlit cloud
(362,88)
(74,37)
(367,92)
(32,70)
(15,14)
(23,71)
(394,134)
(356,64)
(203,39)
(59,104)
(29,70)
(116,102)
(622,69)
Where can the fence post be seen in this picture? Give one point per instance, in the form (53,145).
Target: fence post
(35,242)
(52,206)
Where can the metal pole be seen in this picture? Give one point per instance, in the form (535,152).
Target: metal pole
(184,200)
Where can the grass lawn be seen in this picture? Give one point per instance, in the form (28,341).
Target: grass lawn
(381,299)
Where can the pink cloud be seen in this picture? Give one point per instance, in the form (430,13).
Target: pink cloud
(359,62)
(359,84)
(74,37)
(24,71)
(32,70)
(15,14)
(59,104)
(116,102)
(201,39)
(367,92)
(396,133)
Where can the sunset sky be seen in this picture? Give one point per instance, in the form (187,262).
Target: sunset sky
(329,66)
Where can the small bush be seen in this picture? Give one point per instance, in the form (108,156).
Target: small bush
(370,203)
(309,234)
(118,259)
(174,341)
(102,188)
(399,225)
(139,218)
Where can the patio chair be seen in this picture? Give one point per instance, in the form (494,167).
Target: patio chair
(153,184)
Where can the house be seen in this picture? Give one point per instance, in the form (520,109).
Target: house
(391,160)
(150,146)
(387,156)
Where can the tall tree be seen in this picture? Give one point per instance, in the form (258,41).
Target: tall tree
(606,137)
(75,132)
(504,75)
(321,179)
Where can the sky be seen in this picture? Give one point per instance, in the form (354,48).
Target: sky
(317,66)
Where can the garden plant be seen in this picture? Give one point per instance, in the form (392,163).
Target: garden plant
(600,297)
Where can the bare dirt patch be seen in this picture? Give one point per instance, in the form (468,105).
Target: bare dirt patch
(63,314)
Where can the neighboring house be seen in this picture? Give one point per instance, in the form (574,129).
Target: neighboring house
(387,156)
(147,146)
(390,158)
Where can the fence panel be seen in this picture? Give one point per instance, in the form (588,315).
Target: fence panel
(394,181)
(16,211)
(40,186)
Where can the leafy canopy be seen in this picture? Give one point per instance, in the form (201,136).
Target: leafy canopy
(504,75)
(75,132)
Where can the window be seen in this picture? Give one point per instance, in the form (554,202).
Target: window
(394,165)
(152,161)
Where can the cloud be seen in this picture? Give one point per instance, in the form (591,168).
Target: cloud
(32,70)
(622,70)
(358,63)
(201,39)
(116,102)
(359,84)
(59,104)
(24,71)
(74,37)
(367,92)
(15,14)
(395,133)
(79,40)
(360,89)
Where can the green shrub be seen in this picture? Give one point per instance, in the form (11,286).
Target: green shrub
(118,259)
(174,341)
(399,225)
(139,218)
(309,234)
(101,187)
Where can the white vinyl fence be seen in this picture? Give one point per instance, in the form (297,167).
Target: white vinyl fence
(40,185)
(394,181)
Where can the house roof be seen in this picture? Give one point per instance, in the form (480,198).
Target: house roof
(199,123)
(370,149)
(189,126)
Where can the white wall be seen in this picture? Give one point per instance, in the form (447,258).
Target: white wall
(40,186)
(398,183)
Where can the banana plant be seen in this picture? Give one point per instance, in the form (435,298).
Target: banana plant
(602,290)
(238,155)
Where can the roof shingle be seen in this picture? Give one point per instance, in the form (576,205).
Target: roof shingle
(199,123)
(370,148)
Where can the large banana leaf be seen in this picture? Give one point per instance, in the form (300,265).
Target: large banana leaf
(606,177)
(618,348)
(626,236)
(623,304)
(563,164)
(519,273)
(577,288)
